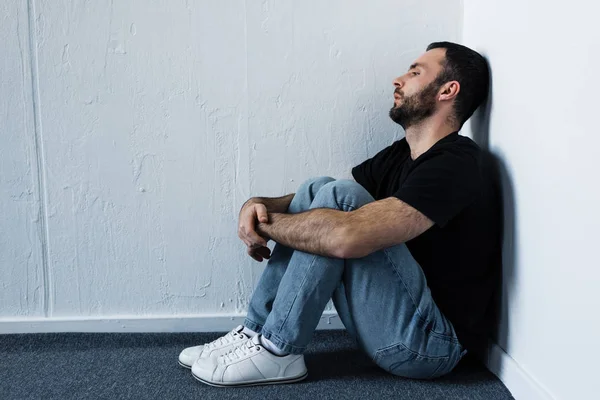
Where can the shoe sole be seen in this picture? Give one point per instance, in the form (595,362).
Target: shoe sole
(183,365)
(263,382)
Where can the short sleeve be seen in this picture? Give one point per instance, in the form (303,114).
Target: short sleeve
(363,174)
(442,186)
(369,171)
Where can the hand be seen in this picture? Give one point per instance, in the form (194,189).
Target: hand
(250,213)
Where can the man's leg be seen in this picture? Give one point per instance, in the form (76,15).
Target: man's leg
(265,291)
(383,300)
(309,280)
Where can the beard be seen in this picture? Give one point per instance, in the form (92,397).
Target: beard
(415,108)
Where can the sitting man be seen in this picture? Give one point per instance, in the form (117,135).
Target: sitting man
(408,252)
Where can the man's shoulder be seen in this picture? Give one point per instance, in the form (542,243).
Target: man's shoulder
(468,143)
(460,150)
(464,144)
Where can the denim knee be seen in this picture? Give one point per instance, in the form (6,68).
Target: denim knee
(345,192)
(344,187)
(318,180)
(345,184)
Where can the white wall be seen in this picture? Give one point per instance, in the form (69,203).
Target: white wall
(157,120)
(21,211)
(543,126)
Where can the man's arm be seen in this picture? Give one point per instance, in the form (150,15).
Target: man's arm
(347,234)
(316,231)
(381,224)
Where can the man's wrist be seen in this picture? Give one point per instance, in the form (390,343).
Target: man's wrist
(264,228)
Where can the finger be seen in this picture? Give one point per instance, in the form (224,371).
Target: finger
(261,212)
(242,235)
(247,231)
(256,255)
(264,252)
(250,237)
(244,239)
(256,239)
(266,257)
(260,253)
(252,254)
(247,223)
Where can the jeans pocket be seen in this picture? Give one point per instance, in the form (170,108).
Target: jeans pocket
(399,360)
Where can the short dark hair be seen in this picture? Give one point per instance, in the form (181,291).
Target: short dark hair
(471,70)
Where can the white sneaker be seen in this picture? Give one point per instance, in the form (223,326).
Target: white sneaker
(213,349)
(250,364)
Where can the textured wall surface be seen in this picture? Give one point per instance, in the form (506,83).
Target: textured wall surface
(22,214)
(543,126)
(158,120)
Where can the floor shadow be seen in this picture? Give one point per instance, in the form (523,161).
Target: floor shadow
(354,365)
(342,359)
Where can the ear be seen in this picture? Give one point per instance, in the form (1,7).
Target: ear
(449,90)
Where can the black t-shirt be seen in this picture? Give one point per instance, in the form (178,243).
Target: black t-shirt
(453,184)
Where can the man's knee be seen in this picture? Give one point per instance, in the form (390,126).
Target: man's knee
(317,182)
(345,192)
(319,179)
(345,184)
(343,187)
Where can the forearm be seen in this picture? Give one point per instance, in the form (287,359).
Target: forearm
(275,204)
(317,231)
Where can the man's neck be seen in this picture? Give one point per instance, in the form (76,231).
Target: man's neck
(423,136)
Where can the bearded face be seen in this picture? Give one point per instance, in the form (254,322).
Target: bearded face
(416,107)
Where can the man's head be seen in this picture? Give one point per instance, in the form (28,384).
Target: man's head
(448,80)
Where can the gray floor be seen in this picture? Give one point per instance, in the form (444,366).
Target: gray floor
(144,366)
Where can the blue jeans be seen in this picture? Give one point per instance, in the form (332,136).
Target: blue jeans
(382,299)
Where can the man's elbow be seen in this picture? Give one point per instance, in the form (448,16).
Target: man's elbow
(346,246)
(353,252)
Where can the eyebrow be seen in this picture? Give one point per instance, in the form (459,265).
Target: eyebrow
(415,65)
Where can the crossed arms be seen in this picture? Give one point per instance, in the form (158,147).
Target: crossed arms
(340,234)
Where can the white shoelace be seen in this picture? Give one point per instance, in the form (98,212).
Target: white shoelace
(240,351)
(228,338)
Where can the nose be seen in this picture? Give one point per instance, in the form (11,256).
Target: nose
(398,82)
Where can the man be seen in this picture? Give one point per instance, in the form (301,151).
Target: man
(407,252)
